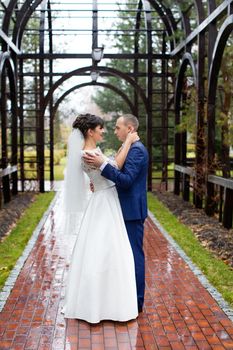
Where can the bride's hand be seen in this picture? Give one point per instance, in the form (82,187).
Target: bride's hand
(132,137)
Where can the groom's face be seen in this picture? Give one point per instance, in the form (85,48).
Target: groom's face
(121,129)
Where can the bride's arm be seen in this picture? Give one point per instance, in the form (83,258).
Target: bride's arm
(97,160)
(123,151)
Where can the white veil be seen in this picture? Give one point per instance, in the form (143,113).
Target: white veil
(76,184)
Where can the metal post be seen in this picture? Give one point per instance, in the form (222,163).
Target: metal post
(164,117)
(149,89)
(41,116)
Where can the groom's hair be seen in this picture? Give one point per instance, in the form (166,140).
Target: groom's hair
(130,119)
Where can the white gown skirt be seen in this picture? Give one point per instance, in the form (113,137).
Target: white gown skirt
(101,280)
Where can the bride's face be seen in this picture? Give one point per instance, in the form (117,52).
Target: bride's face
(97,133)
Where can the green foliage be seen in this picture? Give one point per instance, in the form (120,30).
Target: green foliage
(31,167)
(30,42)
(188,108)
(106,99)
(58,170)
(13,245)
(216,271)
(224,97)
(109,102)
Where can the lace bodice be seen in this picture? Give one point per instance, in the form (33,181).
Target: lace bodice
(99,182)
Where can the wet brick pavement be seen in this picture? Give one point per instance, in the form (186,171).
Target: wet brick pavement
(179,312)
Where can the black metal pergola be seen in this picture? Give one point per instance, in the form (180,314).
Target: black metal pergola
(179,41)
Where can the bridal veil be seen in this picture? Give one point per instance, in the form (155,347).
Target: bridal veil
(76,184)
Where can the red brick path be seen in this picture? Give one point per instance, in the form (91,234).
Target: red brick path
(179,313)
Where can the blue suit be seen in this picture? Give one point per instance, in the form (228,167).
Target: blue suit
(131,186)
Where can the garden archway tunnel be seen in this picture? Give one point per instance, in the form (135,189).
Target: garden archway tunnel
(145,43)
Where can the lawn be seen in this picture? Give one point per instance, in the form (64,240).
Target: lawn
(58,170)
(217,272)
(13,245)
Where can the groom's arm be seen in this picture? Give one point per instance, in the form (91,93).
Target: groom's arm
(125,178)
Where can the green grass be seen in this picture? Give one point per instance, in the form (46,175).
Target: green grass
(13,245)
(217,272)
(59,164)
(58,170)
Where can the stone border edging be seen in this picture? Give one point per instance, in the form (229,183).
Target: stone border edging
(9,284)
(197,272)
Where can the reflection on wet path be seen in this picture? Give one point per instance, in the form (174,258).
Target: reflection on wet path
(179,313)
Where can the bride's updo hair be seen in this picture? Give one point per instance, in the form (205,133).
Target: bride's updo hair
(87,121)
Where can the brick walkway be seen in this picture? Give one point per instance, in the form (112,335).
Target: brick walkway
(179,313)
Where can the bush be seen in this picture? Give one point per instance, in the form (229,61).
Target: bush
(31,167)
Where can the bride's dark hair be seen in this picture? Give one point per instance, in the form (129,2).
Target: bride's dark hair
(87,121)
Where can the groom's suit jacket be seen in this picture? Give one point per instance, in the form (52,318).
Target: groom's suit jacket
(131,182)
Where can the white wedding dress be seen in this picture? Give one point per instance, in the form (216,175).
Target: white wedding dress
(101,280)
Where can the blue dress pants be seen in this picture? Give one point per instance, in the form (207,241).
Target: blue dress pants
(135,230)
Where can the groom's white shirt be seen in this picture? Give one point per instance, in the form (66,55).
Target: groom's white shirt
(103,165)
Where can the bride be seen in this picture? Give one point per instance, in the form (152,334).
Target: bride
(101,280)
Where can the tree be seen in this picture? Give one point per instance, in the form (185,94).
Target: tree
(224,113)
(107,99)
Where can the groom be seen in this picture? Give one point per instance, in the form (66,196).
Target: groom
(131,186)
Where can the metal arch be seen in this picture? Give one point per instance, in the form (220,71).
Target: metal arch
(54,108)
(6,61)
(219,12)
(21,14)
(169,15)
(200,13)
(220,44)
(171,19)
(7,16)
(24,15)
(113,71)
(200,10)
(168,26)
(212,32)
(106,85)
(3,57)
(185,20)
(187,60)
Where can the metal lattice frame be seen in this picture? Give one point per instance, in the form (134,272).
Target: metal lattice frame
(178,36)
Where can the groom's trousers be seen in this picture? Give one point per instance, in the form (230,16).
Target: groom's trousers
(135,230)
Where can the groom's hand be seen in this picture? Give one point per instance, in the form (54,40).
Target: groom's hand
(93,159)
(92,188)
